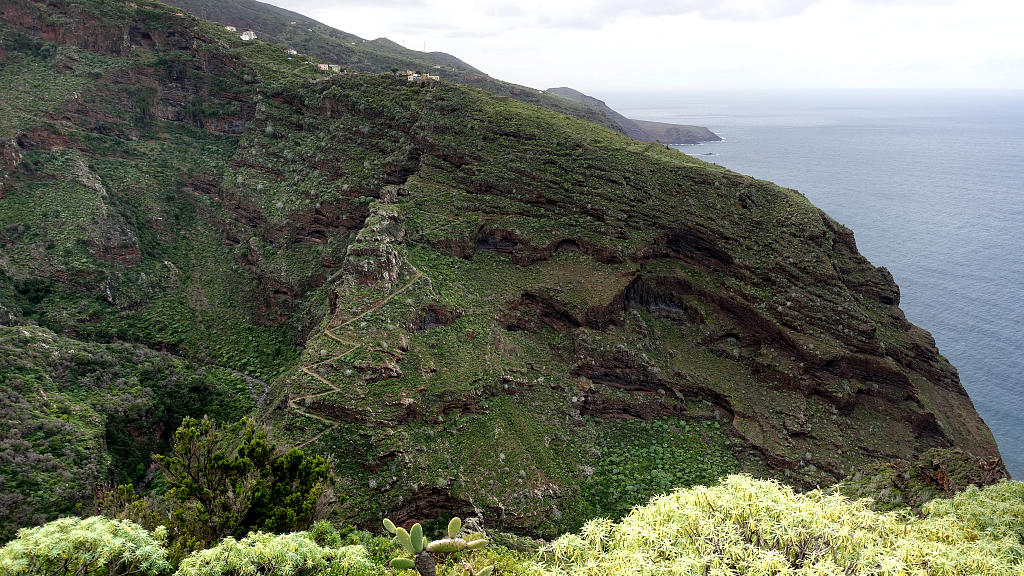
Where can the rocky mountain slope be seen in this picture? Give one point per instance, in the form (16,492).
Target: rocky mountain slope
(308,36)
(642,130)
(467,301)
(280,26)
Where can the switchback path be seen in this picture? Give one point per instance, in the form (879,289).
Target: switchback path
(297,403)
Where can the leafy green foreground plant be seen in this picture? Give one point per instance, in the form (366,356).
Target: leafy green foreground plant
(85,547)
(739,527)
(422,552)
(295,554)
(224,486)
(99,546)
(744,526)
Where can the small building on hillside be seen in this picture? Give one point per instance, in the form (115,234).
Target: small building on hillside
(323,67)
(248,35)
(291,51)
(231,29)
(413,76)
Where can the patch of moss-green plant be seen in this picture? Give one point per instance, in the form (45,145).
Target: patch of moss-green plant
(636,460)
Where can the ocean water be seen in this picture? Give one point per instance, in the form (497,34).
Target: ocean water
(932,184)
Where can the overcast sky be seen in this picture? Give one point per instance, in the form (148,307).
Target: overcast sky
(612,45)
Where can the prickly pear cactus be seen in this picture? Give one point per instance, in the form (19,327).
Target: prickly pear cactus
(422,551)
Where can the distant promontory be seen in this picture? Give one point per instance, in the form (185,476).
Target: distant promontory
(642,130)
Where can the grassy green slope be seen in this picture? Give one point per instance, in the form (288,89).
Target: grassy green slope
(468,301)
(582,278)
(280,26)
(116,246)
(308,36)
(640,129)
(77,415)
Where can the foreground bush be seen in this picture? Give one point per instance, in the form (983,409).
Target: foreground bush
(294,554)
(232,480)
(980,522)
(753,527)
(739,527)
(85,547)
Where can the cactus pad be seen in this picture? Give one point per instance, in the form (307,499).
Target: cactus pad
(454,527)
(403,564)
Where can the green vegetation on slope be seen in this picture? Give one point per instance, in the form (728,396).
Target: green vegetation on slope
(327,44)
(640,460)
(284,27)
(76,415)
(465,301)
(740,526)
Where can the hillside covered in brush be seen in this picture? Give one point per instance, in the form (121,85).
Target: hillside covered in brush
(465,301)
(280,26)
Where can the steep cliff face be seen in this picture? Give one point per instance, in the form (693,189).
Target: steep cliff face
(467,301)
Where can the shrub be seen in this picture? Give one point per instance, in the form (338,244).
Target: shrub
(85,547)
(325,534)
(223,485)
(293,554)
(755,527)
(993,516)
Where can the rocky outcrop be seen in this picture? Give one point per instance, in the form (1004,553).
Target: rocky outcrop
(375,255)
(113,238)
(85,29)
(935,474)
(10,157)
